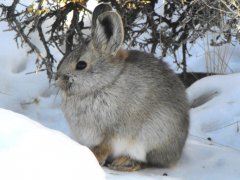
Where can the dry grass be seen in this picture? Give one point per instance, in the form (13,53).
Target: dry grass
(217,58)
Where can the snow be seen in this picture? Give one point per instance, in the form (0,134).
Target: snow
(38,144)
(219,115)
(30,151)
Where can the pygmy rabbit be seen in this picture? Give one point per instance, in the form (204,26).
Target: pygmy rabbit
(128,107)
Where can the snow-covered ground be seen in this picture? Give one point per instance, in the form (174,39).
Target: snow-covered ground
(29,150)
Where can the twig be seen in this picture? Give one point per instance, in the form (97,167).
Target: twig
(35,72)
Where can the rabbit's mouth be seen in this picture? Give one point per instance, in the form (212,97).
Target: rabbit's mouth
(64,83)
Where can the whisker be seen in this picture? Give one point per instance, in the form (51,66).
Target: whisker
(54,85)
(55,98)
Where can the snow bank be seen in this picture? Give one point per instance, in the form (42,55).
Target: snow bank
(216,109)
(30,151)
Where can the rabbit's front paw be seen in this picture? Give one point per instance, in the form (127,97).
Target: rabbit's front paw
(124,163)
(102,152)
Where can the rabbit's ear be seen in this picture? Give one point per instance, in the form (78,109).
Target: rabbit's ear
(108,33)
(101,8)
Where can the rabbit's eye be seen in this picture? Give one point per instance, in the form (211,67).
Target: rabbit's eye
(81,65)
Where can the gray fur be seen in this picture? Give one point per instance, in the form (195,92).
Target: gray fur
(138,100)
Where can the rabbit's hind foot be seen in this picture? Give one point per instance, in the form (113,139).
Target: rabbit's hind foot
(125,163)
(102,152)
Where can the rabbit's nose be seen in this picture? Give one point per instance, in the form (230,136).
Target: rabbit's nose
(63,77)
(56,77)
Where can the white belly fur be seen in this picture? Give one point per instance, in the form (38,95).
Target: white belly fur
(125,147)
